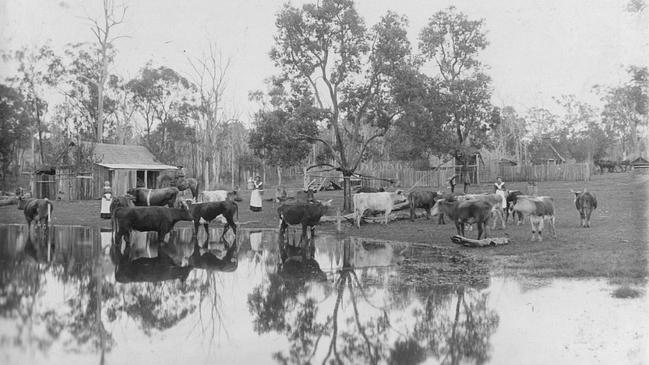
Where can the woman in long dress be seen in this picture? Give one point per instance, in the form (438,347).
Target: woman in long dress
(256,195)
(499,188)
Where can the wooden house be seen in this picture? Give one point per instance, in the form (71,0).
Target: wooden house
(640,165)
(125,167)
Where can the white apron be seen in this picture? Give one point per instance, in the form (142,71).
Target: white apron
(255,198)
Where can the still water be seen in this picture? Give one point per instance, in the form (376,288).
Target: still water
(73,298)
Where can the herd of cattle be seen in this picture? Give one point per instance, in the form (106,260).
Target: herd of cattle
(160,209)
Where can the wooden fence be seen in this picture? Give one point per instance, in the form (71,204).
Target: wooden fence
(64,186)
(560,172)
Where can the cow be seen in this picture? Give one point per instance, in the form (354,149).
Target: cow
(190,183)
(496,202)
(585,202)
(204,213)
(426,200)
(369,189)
(305,196)
(375,201)
(121,202)
(207,260)
(40,211)
(306,214)
(144,219)
(463,212)
(511,200)
(218,196)
(154,197)
(538,209)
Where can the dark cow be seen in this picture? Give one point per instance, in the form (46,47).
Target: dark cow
(203,213)
(305,196)
(154,197)
(469,211)
(207,260)
(585,202)
(156,219)
(538,209)
(190,183)
(40,211)
(306,214)
(123,201)
(511,200)
(423,199)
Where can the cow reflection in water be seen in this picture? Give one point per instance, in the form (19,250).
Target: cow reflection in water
(215,259)
(297,262)
(145,261)
(372,315)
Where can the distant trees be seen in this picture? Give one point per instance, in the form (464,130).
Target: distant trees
(15,129)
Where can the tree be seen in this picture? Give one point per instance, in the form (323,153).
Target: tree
(210,73)
(14,129)
(272,136)
(510,134)
(163,98)
(453,41)
(626,109)
(348,69)
(37,70)
(101,29)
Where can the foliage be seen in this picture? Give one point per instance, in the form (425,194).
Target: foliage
(15,125)
(347,67)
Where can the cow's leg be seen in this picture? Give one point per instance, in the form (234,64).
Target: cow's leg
(554,231)
(480,229)
(428,208)
(459,227)
(357,215)
(206,227)
(303,236)
(588,212)
(440,220)
(387,215)
(533,224)
(412,212)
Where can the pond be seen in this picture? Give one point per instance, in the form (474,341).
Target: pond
(73,298)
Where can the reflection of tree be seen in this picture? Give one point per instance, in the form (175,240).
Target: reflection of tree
(451,323)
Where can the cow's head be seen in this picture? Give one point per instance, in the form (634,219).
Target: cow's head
(577,193)
(233,196)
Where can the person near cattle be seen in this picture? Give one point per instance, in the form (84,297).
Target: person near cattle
(499,188)
(256,195)
(451,182)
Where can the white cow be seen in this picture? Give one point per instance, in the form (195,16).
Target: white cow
(538,209)
(218,196)
(376,201)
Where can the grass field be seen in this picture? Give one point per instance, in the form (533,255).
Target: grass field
(615,247)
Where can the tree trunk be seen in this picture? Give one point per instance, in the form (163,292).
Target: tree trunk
(347,192)
(206,174)
(279,175)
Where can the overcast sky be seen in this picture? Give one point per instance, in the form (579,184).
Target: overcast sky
(538,49)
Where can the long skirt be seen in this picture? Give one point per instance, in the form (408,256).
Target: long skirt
(502,194)
(255,200)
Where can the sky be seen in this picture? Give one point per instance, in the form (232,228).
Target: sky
(538,49)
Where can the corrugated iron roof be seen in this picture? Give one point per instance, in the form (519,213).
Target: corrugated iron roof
(136,166)
(128,157)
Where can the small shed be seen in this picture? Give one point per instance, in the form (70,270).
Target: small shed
(125,167)
(548,154)
(640,166)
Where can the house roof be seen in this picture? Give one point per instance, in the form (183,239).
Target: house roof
(639,161)
(116,156)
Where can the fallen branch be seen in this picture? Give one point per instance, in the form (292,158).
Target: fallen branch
(468,242)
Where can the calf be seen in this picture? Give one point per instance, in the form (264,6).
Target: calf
(538,209)
(206,212)
(154,197)
(462,212)
(307,214)
(423,199)
(219,196)
(157,219)
(511,200)
(305,196)
(375,201)
(585,202)
(39,210)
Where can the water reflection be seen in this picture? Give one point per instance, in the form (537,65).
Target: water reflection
(254,297)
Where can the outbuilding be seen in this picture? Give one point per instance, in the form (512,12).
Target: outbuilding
(125,167)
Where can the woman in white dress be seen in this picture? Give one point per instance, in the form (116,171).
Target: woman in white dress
(499,188)
(256,195)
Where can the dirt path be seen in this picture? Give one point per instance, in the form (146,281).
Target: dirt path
(614,248)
